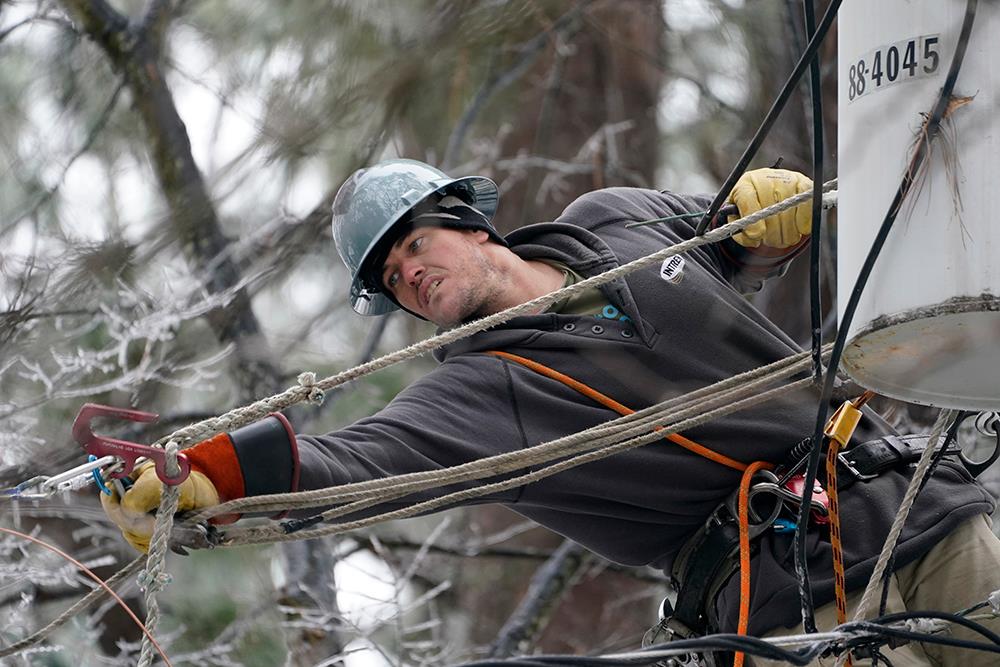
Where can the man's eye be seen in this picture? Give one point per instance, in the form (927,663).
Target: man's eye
(416,243)
(392,280)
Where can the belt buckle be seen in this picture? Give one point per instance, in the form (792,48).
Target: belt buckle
(858,475)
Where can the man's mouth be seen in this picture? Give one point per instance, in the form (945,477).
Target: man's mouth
(431,289)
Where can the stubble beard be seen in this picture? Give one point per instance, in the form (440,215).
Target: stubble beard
(484,295)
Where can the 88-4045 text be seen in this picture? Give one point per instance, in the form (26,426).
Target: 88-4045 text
(884,66)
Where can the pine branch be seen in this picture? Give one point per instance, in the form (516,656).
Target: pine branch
(92,134)
(193,215)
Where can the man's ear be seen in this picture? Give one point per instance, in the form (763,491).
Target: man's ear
(480,235)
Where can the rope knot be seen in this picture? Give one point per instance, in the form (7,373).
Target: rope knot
(172,467)
(307,381)
(153,583)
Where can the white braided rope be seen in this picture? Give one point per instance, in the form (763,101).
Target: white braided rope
(310,389)
(923,465)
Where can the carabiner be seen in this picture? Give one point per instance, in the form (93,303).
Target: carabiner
(64,481)
(21,491)
(985,422)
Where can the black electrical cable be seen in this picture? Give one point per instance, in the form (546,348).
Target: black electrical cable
(920,153)
(772,115)
(509,662)
(816,93)
(877,628)
(927,638)
(952,436)
(878,655)
(721,642)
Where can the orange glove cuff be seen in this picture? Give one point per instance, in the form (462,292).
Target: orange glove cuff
(216,459)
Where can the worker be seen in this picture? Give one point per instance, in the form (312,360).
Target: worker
(416,239)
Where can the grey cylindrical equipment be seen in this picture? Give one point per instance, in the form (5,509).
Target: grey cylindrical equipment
(927,329)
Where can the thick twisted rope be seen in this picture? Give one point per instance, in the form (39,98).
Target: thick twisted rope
(269,534)
(310,389)
(154,578)
(642,421)
(602,447)
(923,465)
(647,435)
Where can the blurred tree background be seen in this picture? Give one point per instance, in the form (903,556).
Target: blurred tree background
(167,172)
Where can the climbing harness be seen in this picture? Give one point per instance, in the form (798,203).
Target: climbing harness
(724,544)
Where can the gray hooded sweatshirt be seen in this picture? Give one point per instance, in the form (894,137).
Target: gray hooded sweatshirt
(638,507)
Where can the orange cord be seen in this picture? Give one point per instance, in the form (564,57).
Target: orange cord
(839,583)
(743,510)
(98,580)
(836,543)
(611,403)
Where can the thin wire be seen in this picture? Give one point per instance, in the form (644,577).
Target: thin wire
(816,93)
(100,582)
(725,212)
(920,153)
(772,115)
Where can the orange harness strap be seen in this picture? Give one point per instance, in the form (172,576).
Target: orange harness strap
(611,403)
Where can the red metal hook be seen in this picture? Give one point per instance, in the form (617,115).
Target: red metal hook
(99,446)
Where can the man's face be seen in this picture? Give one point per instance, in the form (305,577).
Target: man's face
(444,275)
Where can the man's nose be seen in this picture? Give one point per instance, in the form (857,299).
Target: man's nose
(412,271)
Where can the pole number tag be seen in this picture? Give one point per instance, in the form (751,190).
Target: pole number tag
(909,59)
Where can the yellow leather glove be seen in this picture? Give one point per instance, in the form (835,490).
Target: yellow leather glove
(761,188)
(135,513)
